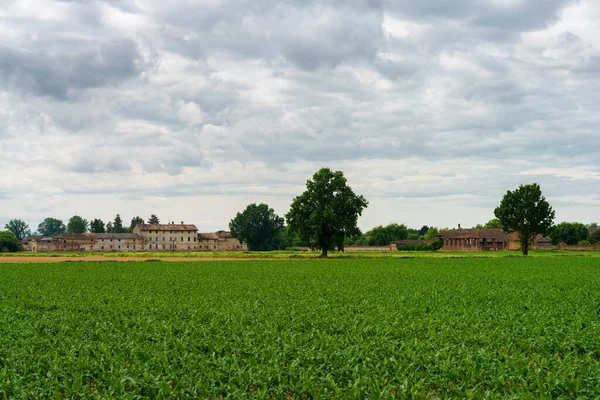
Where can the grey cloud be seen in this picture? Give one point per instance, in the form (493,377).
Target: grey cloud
(59,76)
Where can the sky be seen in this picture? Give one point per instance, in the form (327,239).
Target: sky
(192,109)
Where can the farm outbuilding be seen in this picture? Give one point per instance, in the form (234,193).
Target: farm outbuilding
(473,240)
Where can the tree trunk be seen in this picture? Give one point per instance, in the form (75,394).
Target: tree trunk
(324,252)
(525,247)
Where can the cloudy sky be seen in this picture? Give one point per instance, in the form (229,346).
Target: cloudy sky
(191,109)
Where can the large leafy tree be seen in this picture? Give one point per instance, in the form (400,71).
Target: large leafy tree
(153,219)
(51,227)
(97,226)
(491,224)
(19,228)
(8,241)
(77,224)
(326,212)
(259,227)
(569,233)
(384,235)
(134,222)
(526,212)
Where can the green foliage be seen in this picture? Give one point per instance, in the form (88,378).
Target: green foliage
(595,237)
(526,212)
(384,235)
(569,232)
(326,212)
(431,232)
(259,227)
(134,222)
(423,230)
(153,219)
(51,227)
(116,226)
(583,243)
(436,245)
(8,242)
(97,226)
(19,228)
(491,224)
(77,224)
(347,329)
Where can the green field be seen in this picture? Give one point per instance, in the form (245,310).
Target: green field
(367,328)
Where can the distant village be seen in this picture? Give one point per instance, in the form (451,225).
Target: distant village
(145,237)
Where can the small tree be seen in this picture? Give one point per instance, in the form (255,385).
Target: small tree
(51,227)
(19,228)
(259,226)
(109,227)
(97,226)
(326,212)
(384,235)
(8,241)
(526,212)
(117,225)
(153,219)
(77,224)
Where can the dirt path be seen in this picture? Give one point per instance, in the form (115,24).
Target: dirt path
(42,259)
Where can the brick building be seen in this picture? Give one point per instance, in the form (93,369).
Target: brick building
(473,240)
(169,237)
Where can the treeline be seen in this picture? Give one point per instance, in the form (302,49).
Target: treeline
(76,224)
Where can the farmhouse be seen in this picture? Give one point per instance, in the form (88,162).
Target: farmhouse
(169,237)
(220,241)
(473,240)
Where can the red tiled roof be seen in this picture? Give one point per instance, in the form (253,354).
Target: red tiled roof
(487,234)
(208,236)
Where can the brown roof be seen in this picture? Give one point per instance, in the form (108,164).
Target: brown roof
(487,234)
(224,235)
(412,241)
(167,227)
(117,236)
(75,236)
(208,236)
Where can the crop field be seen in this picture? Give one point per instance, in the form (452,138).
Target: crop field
(496,327)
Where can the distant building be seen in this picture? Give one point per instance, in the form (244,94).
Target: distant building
(169,237)
(473,240)
(220,241)
(87,242)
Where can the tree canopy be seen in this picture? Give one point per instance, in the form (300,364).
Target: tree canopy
(77,224)
(526,212)
(384,235)
(117,225)
(97,226)
(19,228)
(569,233)
(8,241)
(326,212)
(51,227)
(259,227)
(134,222)
(153,219)
(491,224)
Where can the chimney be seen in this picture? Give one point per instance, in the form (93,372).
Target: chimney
(181,222)
(458,226)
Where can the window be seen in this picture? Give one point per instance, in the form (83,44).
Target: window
(182,238)
(189,239)
(119,247)
(150,247)
(163,246)
(102,247)
(119,240)
(194,238)
(127,246)
(103,240)
(156,239)
(163,241)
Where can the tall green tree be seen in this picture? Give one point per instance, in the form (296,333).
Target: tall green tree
(8,241)
(526,212)
(117,225)
(259,227)
(109,228)
(153,219)
(384,235)
(97,226)
(77,224)
(326,212)
(569,233)
(19,228)
(491,224)
(134,222)
(51,227)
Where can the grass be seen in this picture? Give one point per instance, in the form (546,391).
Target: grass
(310,254)
(496,327)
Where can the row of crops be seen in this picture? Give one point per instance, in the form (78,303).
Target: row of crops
(496,327)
